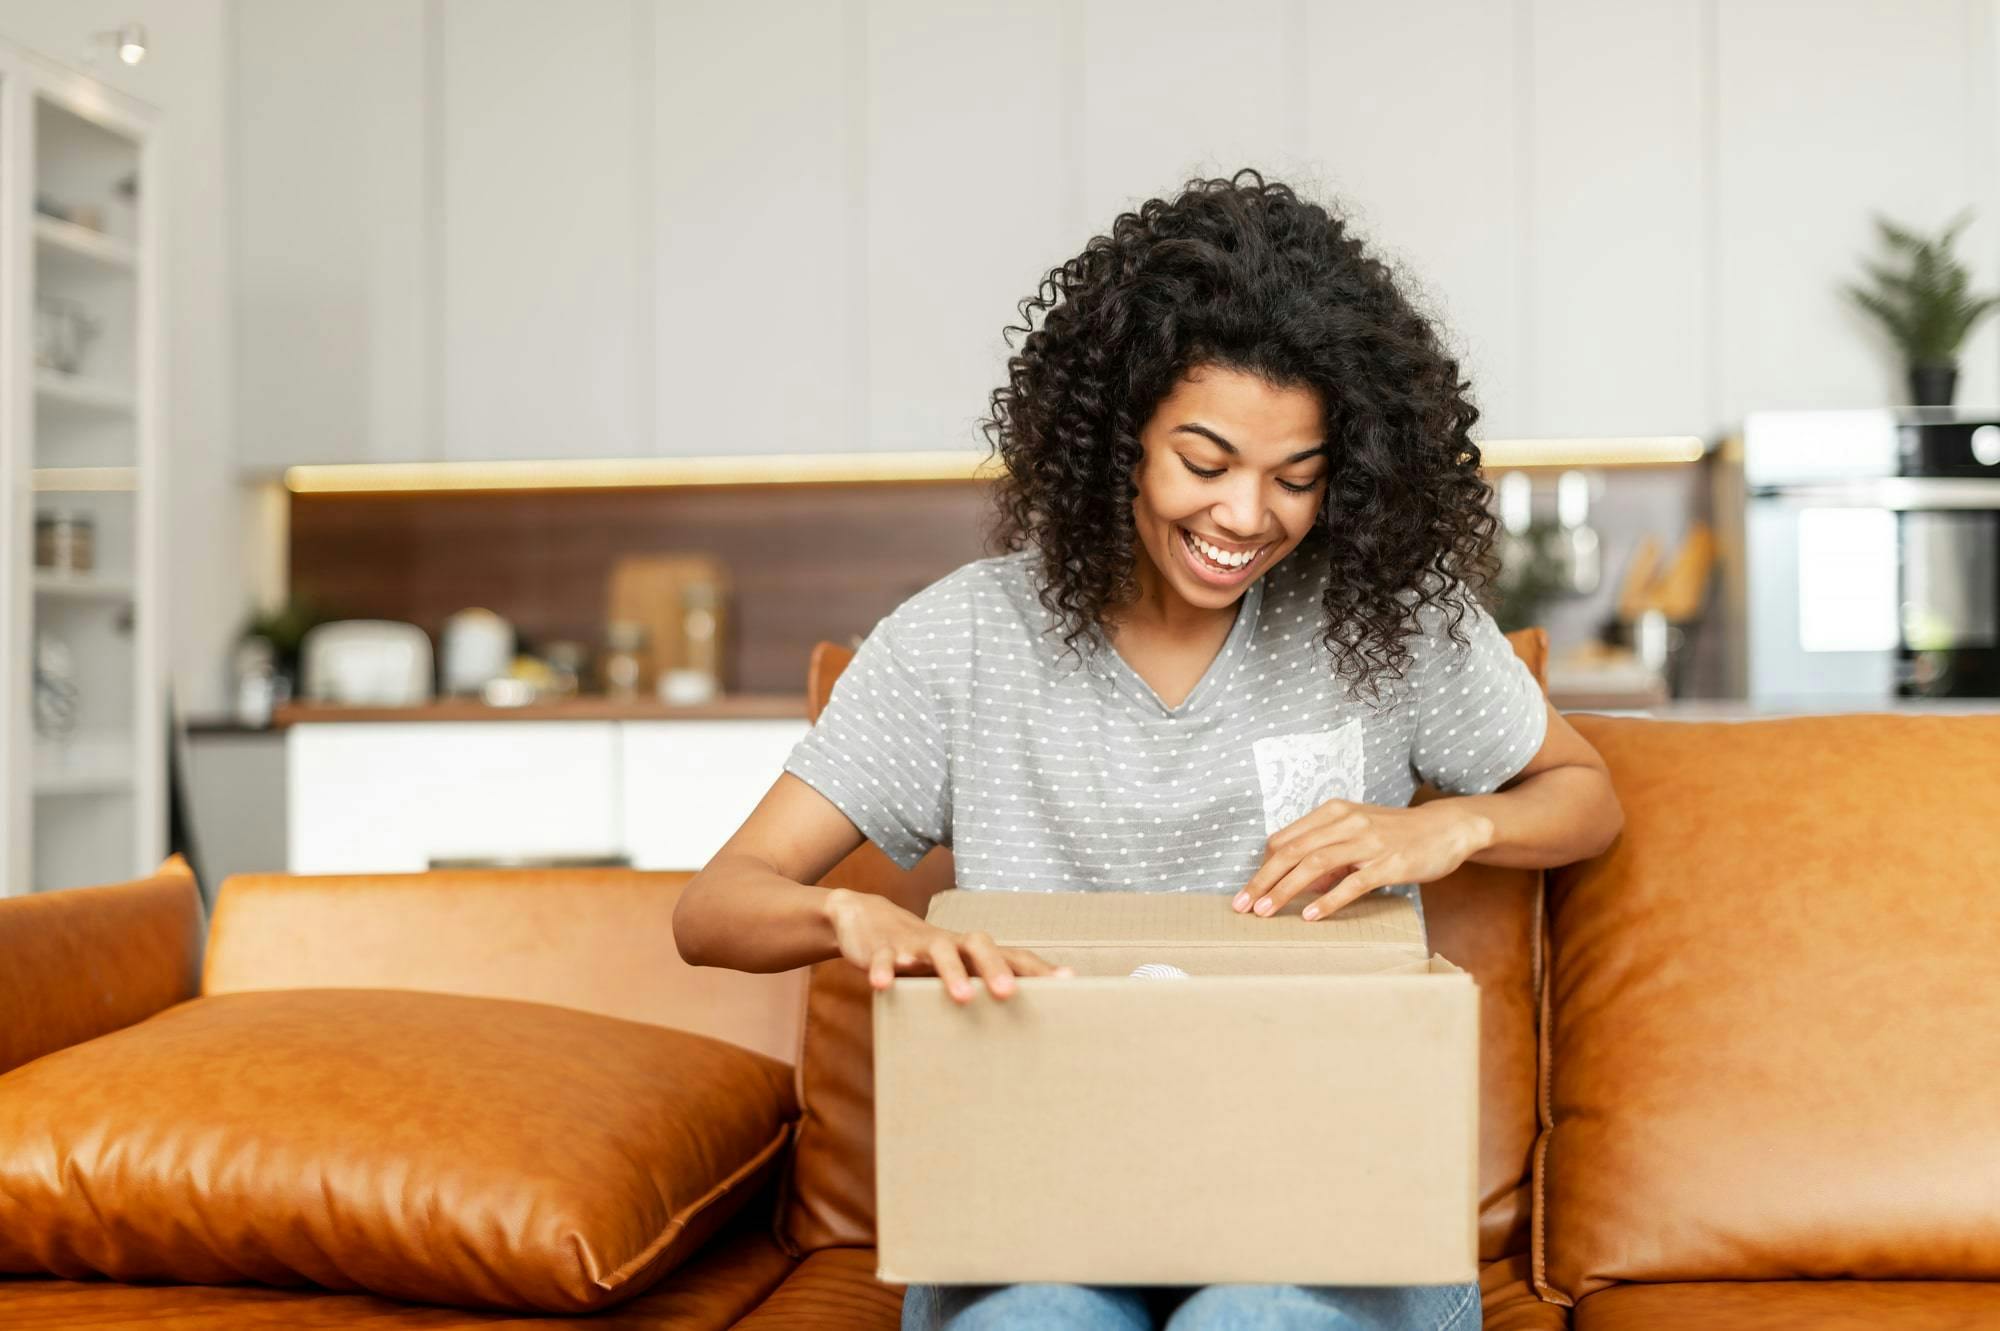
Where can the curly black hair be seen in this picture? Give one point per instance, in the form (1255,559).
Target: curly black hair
(1243,274)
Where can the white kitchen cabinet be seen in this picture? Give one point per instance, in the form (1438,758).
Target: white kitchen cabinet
(688,785)
(1620,248)
(760,310)
(1411,119)
(1825,115)
(949,256)
(335,353)
(545,292)
(1167,92)
(389,797)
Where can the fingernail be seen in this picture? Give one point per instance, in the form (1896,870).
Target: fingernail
(1242,900)
(1066,973)
(1264,906)
(1311,912)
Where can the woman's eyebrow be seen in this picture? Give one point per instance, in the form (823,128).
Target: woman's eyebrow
(1192,428)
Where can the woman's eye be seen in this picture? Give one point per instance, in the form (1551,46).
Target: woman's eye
(1205,475)
(1305,489)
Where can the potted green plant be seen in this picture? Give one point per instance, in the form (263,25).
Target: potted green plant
(285,627)
(1926,304)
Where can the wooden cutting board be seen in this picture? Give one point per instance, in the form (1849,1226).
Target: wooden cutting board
(650,590)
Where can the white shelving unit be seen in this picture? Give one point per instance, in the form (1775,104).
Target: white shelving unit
(84,801)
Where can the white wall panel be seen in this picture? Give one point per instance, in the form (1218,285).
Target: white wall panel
(332,250)
(1178,88)
(1413,123)
(761,325)
(540,147)
(1618,257)
(1827,112)
(967,204)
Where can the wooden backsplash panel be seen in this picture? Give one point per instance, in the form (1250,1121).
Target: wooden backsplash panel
(808,562)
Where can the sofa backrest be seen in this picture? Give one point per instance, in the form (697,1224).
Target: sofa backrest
(597,939)
(1486,919)
(81,962)
(1773,1008)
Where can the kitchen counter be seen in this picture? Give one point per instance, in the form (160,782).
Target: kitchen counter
(730,707)
(1742,709)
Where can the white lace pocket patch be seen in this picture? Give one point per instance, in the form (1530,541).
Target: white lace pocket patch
(1301,772)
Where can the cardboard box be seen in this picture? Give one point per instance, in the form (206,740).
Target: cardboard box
(1302,1109)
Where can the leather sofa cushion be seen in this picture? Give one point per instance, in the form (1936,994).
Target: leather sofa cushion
(730,1275)
(1774,1007)
(437,1148)
(834,1289)
(1794,1305)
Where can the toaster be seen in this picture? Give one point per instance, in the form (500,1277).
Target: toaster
(367,662)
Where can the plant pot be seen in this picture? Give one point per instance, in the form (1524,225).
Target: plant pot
(1933,385)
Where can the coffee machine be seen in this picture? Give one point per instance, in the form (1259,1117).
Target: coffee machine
(1866,566)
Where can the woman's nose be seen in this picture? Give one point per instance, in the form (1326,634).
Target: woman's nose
(1240,512)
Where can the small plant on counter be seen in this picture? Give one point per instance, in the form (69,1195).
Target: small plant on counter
(1926,305)
(285,629)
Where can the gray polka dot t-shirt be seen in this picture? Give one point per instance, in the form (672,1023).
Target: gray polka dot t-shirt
(964,721)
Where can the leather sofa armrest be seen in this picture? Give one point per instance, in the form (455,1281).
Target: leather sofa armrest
(81,962)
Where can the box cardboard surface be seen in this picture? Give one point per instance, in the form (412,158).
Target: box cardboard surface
(1108,933)
(1303,1109)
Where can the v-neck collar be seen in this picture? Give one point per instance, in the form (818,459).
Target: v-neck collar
(1119,672)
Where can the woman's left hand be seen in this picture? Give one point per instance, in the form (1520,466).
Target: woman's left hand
(1357,848)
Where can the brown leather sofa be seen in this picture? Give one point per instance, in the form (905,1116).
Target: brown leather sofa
(1737,1072)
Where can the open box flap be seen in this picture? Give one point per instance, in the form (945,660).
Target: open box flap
(1384,927)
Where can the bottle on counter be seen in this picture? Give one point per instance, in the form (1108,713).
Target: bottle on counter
(624,659)
(255,666)
(568,662)
(699,678)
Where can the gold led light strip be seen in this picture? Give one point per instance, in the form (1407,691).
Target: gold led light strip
(1632,451)
(637,473)
(854,468)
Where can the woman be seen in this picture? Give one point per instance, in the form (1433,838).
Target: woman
(1233,628)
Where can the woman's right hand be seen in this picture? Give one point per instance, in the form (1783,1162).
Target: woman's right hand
(886,940)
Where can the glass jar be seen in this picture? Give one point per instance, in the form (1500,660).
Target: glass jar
(65,542)
(624,659)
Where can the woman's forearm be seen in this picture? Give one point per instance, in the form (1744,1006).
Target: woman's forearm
(1558,816)
(740,913)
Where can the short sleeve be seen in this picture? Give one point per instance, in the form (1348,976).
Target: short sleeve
(1481,714)
(880,749)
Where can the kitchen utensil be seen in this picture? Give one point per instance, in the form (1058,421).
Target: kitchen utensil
(1634,591)
(57,694)
(1681,589)
(662,592)
(62,332)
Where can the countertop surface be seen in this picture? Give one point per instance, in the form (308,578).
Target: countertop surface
(730,707)
(792,706)
(1742,709)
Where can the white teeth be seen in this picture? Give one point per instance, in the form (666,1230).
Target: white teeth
(1223,557)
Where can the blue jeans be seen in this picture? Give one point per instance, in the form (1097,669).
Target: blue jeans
(1202,1308)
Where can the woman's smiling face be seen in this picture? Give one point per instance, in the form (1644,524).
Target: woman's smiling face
(1232,480)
